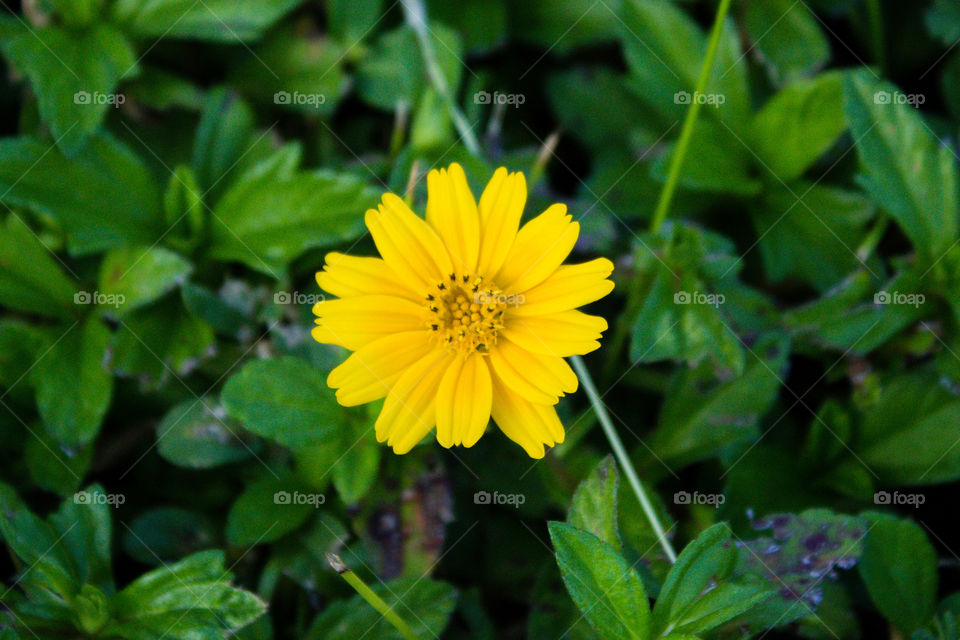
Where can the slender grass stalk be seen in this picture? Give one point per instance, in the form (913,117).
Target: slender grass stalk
(621,453)
(673,176)
(372,598)
(680,152)
(415,15)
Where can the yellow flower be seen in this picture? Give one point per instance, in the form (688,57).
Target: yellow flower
(465,316)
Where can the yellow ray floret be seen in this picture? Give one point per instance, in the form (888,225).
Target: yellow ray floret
(465,315)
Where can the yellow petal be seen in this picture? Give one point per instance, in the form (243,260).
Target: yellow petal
(529,425)
(409,412)
(464,399)
(548,372)
(540,247)
(408,244)
(355,322)
(569,287)
(347,276)
(369,372)
(501,207)
(512,367)
(452,212)
(560,334)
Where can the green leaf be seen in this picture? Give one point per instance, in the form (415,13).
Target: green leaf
(899,567)
(902,437)
(352,20)
(46,564)
(20,345)
(811,232)
(711,556)
(221,141)
(482,23)
(594,504)
(664,49)
(605,588)
(136,276)
(268,510)
(215,310)
(72,384)
(357,461)
(285,400)
(564,25)
(799,124)
(83,525)
(54,467)
(190,599)
(802,551)
(394,73)
(226,21)
(906,170)
(160,342)
(718,161)
(788,39)
(73,73)
(426,604)
(294,72)
(943,21)
(682,316)
(31,278)
(265,221)
(701,414)
(104,196)
(196,435)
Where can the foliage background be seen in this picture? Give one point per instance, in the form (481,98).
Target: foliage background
(172,172)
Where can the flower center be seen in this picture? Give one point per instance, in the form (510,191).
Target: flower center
(466,313)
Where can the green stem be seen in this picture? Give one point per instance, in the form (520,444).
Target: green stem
(680,151)
(415,15)
(621,453)
(372,598)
